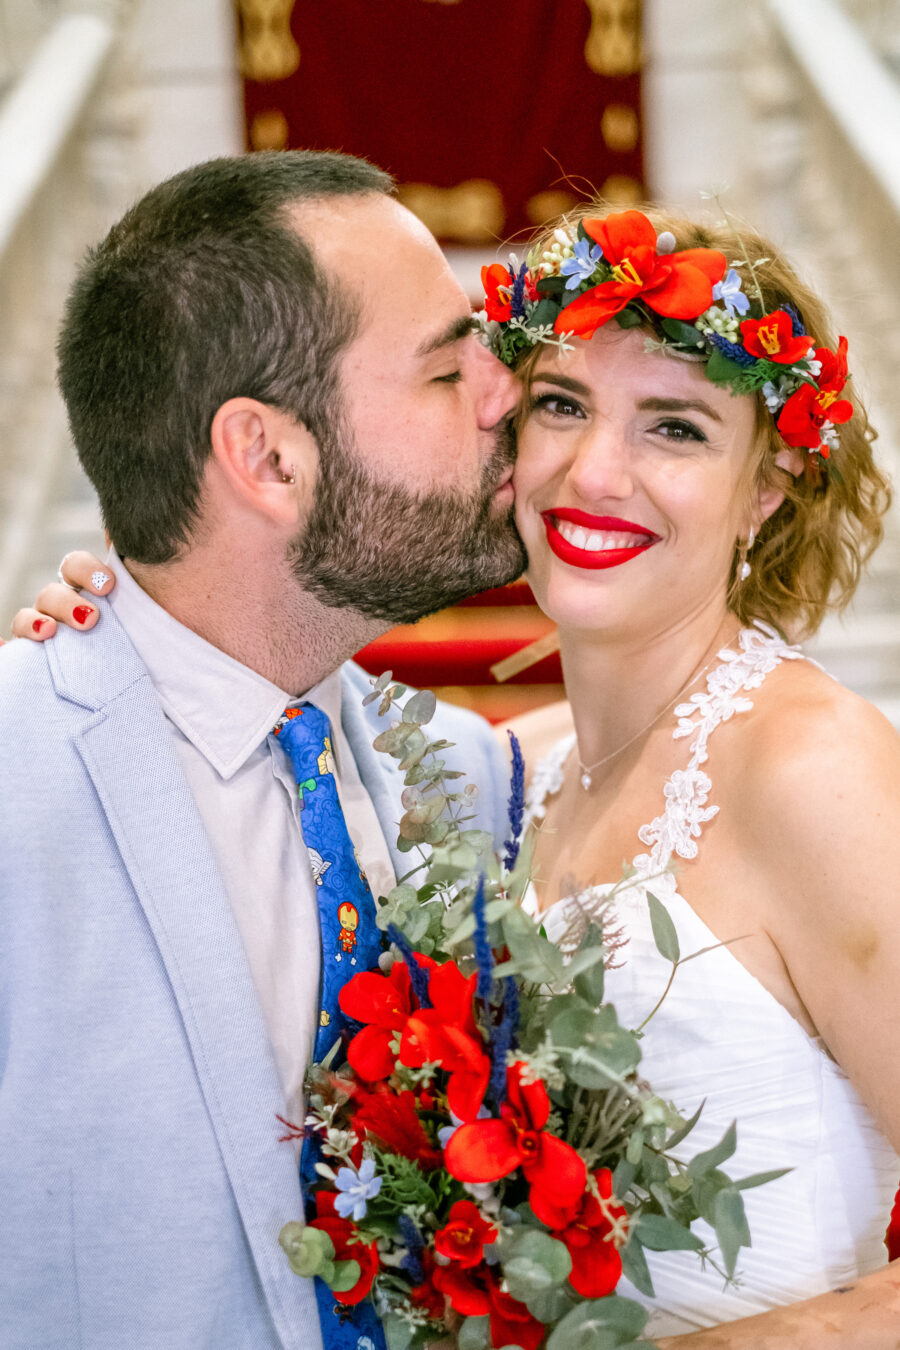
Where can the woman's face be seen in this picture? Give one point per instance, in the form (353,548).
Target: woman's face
(631,485)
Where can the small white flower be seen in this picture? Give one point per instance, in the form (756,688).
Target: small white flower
(665,242)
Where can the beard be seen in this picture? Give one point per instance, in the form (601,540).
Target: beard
(375,547)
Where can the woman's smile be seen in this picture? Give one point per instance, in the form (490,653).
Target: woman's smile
(585,540)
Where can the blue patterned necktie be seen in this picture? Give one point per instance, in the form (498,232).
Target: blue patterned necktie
(350,942)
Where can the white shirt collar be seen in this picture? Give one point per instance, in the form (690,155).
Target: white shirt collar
(224,708)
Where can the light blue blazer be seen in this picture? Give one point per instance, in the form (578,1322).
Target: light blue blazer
(142,1185)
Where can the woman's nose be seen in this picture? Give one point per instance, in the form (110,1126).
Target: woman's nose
(601,466)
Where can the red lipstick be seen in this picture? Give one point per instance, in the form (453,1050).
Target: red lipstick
(594,559)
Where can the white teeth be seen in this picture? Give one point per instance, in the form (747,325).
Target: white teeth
(597,541)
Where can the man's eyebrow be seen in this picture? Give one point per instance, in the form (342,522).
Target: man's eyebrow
(678,405)
(455,331)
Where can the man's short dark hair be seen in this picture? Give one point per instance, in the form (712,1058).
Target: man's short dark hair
(201,293)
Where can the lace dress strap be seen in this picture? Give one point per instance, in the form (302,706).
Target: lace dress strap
(546,780)
(678,828)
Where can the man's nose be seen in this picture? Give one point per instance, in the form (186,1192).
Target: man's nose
(500,390)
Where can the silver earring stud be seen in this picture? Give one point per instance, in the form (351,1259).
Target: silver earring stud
(99,580)
(288,477)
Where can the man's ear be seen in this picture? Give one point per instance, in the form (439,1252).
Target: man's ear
(267,459)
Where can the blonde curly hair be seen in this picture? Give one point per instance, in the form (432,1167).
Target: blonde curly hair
(810,553)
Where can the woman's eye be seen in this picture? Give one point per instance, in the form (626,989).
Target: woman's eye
(557,405)
(674,429)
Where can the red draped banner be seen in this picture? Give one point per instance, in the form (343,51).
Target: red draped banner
(482,109)
(493,116)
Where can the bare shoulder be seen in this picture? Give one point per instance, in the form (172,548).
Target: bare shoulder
(819,763)
(538,731)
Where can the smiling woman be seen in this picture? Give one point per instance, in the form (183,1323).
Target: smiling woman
(695,488)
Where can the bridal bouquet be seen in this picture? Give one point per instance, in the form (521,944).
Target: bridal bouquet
(490,1158)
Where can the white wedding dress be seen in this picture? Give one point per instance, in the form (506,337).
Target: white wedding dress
(720,1035)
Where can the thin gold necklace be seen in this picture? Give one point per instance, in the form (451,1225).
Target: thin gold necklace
(588,769)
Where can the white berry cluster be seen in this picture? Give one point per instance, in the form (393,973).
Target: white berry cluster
(552,258)
(716,320)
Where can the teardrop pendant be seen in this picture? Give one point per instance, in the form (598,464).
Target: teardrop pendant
(745,571)
(585,781)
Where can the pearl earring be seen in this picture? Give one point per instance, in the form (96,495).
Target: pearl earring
(744,569)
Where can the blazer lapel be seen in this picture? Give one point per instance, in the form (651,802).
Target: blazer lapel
(127,749)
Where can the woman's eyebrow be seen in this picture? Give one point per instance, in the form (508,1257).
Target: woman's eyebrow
(455,331)
(563,382)
(678,405)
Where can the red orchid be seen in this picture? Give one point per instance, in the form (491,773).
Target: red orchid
(464,1235)
(486,1150)
(801,419)
(342,1233)
(384,1002)
(497,283)
(772,338)
(474,1292)
(676,285)
(586,1228)
(391,1119)
(446,1033)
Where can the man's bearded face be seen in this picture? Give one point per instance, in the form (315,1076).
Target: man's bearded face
(373,546)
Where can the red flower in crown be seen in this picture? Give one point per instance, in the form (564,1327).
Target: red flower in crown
(446,1034)
(807,410)
(772,338)
(486,1150)
(464,1235)
(343,1233)
(586,1228)
(475,1292)
(497,283)
(675,285)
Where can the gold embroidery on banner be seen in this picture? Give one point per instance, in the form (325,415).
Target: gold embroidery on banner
(544,206)
(619,127)
(622,189)
(472,212)
(613,46)
(268,49)
(269,130)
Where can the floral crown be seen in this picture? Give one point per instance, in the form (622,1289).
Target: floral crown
(693,299)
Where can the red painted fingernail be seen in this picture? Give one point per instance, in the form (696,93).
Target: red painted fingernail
(38,625)
(81,613)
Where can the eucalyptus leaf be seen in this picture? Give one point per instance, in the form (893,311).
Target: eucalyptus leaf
(599,1051)
(309,1251)
(533,1261)
(414,747)
(761,1178)
(712,1157)
(600,1324)
(420,708)
(346,1275)
(397,1333)
(664,934)
(623,1177)
(463,931)
(550,1305)
(495,909)
(665,1235)
(684,1130)
(392,740)
(635,1268)
(732,1232)
(589,972)
(474,1334)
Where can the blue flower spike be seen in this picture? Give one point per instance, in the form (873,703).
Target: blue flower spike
(355,1189)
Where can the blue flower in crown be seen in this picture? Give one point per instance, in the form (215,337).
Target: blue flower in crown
(581,267)
(729,292)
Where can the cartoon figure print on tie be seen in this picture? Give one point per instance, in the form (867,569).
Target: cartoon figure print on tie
(348,917)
